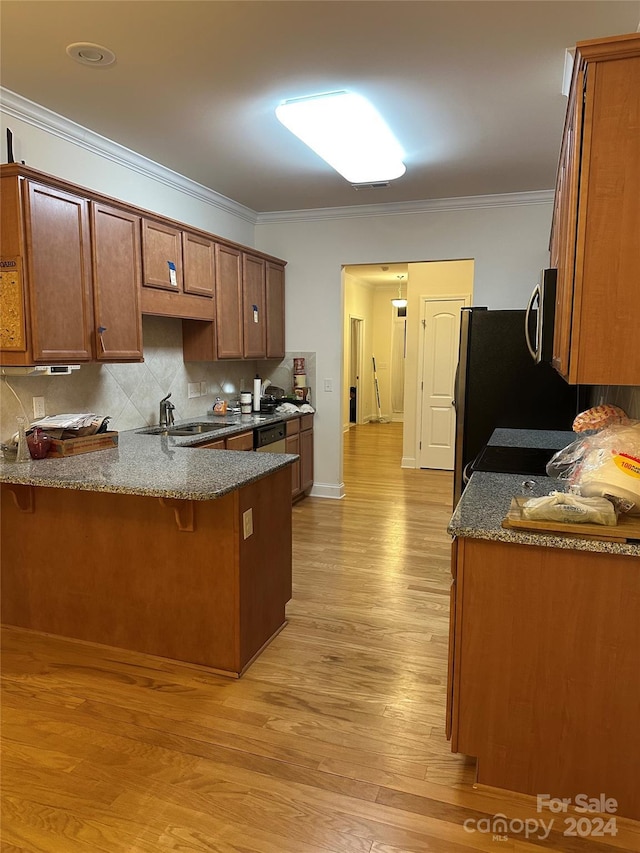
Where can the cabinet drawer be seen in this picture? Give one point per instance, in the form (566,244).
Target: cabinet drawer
(213,445)
(293,427)
(244,441)
(306,422)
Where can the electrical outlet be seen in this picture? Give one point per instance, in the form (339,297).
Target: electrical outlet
(247,523)
(328,384)
(38,407)
(193,389)
(204,389)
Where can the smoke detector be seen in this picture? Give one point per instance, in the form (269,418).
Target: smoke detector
(87,53)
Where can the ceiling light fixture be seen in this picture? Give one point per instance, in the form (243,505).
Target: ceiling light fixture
(399,302)
(348,133)
(87,53)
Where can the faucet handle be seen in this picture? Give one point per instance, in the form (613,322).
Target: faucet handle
(164,399)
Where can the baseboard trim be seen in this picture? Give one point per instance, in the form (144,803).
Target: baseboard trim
(408,462)
(332,491)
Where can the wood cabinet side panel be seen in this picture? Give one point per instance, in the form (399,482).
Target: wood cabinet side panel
(199,341)
(12,246)
(265,561)
(549,655)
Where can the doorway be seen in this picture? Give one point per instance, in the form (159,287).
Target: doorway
(356,355)
(440,338)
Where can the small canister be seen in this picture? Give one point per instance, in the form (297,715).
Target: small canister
(245,402)
(299,380)
(298,365)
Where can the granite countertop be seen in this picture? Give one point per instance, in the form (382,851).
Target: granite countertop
(552,439)
(159,466)
(486,500)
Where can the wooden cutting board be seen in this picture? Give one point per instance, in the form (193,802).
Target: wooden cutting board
(627,529)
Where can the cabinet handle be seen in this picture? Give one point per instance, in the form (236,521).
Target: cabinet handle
(535,295)
(101,330)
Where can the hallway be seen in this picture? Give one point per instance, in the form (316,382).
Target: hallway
(333,741)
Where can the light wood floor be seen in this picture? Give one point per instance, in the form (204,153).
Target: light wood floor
(332,742)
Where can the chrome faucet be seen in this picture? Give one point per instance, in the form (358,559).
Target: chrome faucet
(166,411)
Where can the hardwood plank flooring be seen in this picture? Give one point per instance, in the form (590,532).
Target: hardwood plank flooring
(332,742)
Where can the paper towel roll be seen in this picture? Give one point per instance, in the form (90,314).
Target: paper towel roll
(257,391)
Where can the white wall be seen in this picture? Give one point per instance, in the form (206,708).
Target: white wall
(75,154)
(508,245)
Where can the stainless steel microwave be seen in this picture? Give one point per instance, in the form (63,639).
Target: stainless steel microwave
(539,317)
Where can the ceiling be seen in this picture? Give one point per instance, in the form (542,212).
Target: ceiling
(471,89)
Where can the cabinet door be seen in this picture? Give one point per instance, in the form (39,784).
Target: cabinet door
(306,459)
(59,265)
(228,301)
(161,248)
(293,446)
(116,283)
(198,255)
(275,310)
(604,335)
(253,305)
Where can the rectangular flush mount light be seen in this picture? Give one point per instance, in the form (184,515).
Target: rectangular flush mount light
(347,131)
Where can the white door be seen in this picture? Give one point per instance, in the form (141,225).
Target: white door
(440,344)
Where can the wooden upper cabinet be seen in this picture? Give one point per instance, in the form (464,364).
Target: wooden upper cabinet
(116,283)
(199,264)
(59,274)
(253,307)
(161,248)
(596,232)
(228,301)
(274,296)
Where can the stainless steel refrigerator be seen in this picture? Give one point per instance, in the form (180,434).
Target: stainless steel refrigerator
(498,384)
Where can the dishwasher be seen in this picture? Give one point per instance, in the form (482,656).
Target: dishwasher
(270,438)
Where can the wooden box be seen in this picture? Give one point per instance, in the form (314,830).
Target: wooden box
(85,444)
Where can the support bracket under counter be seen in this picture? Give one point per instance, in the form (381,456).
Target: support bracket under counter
(183,512)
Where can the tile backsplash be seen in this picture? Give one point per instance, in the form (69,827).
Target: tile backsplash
(130,393)
(625,396)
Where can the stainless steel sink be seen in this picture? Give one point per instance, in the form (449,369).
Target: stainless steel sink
(186,429)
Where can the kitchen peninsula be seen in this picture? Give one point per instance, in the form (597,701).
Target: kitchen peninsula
(544,652)
(153,546)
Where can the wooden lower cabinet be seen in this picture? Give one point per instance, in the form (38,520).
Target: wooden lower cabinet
(306,452)
(174,578)
(293,446)
(543,676)
(300,442)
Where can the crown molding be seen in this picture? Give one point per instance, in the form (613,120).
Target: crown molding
(38,116)
(436,205)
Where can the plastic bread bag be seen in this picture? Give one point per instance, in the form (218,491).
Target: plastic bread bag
(570,508)
(606,464)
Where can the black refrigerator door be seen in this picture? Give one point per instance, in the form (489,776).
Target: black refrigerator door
(501,386)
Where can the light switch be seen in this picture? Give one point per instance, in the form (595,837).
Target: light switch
(193,389)
(328,384)
(204,389)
